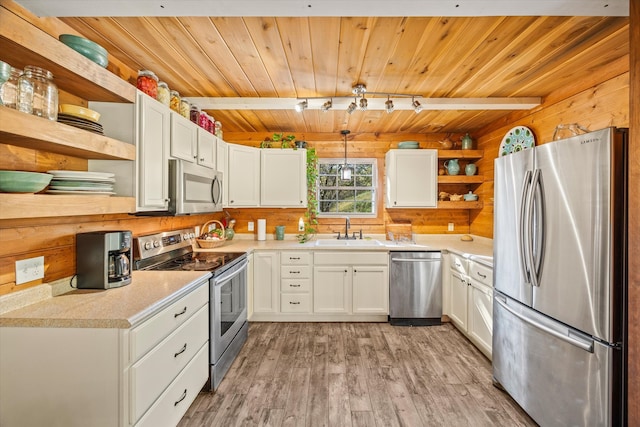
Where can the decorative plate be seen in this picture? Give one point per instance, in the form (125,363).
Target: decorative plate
(517,139)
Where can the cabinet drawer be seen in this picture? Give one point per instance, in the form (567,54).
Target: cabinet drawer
(295,272)
(459,263)
(151,375)
(295,303)
(351,258)
(295,285)
(154,330)
(481,273)
(295,258)
(174,402)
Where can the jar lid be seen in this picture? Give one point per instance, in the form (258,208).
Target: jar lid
(147,73)
(175,93)
(185,100)
(163,84)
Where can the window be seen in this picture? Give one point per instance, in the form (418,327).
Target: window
(354,197)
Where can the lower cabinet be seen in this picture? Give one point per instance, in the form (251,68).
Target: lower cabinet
(370,290)
(471,301)
(147,375)
(331,293)
(266,286)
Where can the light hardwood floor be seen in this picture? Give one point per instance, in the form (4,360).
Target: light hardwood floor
(356,374)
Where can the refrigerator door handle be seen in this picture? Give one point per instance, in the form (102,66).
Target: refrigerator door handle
(569,337)
(538,239)
(525,219)
(529,223)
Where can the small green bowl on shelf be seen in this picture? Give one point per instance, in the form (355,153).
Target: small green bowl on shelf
(23,182)
(409,145)
(87,48)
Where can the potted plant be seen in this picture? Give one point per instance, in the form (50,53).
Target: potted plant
(311,215)
(285,141)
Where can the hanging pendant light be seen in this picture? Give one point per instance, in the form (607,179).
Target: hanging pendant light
(346,171)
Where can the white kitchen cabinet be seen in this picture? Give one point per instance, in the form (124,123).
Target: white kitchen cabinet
(295,282)
(331,293)
(370,289)
(145,124)
(243,176)
(459,297)
(184,138)
(207,146)
(250,283)
(222,166)
(283,178)
(266,284)
(108,377)
(480,322)
(411,178)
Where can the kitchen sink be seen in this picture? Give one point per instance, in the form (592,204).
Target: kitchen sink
(348,243)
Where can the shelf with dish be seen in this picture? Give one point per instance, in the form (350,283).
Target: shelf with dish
(460,179)
(460,154)
(463,204)
(20,205)
(23,44)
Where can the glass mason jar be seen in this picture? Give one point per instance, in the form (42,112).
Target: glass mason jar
(37,94)
(185,107)
(9,89)
(194,113)
(175,101)
(148,83)
(164,95)
(219,129)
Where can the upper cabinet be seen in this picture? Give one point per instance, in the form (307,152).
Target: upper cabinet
(243,175)
(207,147)
(411,178)
(283,178)
(184,138)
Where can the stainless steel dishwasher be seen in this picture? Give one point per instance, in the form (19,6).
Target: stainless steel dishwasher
(415,288)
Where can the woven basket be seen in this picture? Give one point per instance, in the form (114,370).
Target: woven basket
(210,244)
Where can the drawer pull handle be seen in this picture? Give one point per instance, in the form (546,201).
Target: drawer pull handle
(295,286)
(294,258)
(184,395)
(182,350)
(294,272)
(294,302)
(484,276)
(184,310)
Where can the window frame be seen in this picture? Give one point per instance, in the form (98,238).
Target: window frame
(373,162)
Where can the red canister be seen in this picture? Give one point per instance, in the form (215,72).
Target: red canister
(148,83)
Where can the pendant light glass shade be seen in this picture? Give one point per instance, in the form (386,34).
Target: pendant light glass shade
(346,171)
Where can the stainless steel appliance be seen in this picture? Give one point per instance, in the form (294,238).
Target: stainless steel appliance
(103,259)
(415,288)
(228,327)
(560,291)
(193,189)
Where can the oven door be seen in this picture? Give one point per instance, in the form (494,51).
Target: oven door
(193,189)
(228,307)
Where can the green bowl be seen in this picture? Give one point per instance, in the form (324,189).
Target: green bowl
(87,48)
(23,182)
(408,144)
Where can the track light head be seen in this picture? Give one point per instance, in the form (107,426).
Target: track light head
(301,106)
(388,106)
(352,107)
(416,106)
(327,105)
(363,104)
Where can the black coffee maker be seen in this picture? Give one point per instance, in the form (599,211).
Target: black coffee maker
(103,259)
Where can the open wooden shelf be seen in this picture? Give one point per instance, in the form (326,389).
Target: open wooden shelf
(25,130)
(23,44)
(460,205)
(20,205)
(460,179)
(460,154)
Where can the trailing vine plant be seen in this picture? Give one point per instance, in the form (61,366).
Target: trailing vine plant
(311,215)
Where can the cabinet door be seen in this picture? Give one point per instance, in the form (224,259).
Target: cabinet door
(243,176)
(480,327)
(283,178)
(458,313)
(370,290)
(412,178)
(184,138)
(331,290)
(250,284)
(153,152)
(266,289)
(222,159)
(207,144)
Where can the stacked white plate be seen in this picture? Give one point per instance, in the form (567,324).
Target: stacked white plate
(81,183)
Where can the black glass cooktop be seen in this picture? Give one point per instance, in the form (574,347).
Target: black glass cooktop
(197,261)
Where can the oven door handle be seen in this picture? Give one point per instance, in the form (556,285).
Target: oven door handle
(218,281)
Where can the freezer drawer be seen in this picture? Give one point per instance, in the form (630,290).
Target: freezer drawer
(558,375)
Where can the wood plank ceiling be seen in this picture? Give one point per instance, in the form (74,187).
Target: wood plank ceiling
(327,56)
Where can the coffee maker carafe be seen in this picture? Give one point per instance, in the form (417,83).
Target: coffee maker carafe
(103,259)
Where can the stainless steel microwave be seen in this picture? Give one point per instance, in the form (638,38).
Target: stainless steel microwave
(193,189)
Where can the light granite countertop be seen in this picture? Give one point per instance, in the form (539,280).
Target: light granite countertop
(125,307)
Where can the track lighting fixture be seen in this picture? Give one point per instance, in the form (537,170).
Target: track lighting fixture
(301,106)
(416,106)
(327,105)
(363,103)
(352,107)
(388,105)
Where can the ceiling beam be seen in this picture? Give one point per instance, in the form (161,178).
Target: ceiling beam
(98,8)
(247,103)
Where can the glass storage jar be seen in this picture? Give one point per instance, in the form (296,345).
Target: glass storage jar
(185,107)
(9,89)
(37,94)
(194,113)
(148,83)
(175,101)
(219,129)
(164,96)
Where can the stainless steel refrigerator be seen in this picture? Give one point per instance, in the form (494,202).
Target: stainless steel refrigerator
(559,278)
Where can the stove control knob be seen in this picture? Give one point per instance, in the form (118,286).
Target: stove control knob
(156,243)
(185,236)
(192,235)
(147,245)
